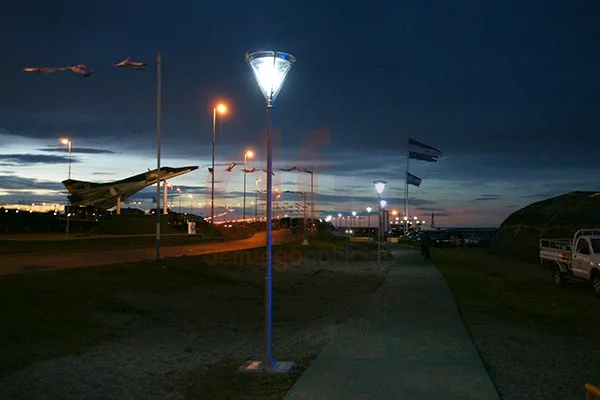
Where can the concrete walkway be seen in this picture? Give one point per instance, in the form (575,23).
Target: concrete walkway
(415,347)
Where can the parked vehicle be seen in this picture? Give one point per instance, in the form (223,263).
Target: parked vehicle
(577,258)
(413,236)
(477,239)
(441,239)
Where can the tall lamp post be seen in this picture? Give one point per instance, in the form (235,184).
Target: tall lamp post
(379,186)
(369,220)
(247,154)
(218,109)
(68,142)
(382,204)
(270,69)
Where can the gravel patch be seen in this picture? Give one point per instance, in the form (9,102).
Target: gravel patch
(161,352)
(525,364)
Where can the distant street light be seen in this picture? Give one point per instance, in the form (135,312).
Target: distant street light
(68,142)
(369,220)
(354,219)
(304,207)
(247,154)
(179,190)
(379,187)
(270,69)
(256,204)
(218,109)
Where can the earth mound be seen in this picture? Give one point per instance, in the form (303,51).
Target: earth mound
(133,225)
(557,217)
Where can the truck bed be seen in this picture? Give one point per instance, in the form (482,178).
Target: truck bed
(555,250)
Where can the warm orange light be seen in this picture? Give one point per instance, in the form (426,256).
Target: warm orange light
(249,154)
(65,141)
(221,108)
(395,212)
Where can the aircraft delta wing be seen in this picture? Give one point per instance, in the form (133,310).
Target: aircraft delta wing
(105,195)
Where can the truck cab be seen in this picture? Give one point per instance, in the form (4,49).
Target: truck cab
(586,256)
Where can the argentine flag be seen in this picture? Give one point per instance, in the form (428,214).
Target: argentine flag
(423,152)
(412,180)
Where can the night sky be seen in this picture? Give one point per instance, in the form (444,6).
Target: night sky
(508,90)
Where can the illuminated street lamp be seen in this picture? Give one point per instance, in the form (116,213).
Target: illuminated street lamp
(68,142)
(369,220)
(379,187)
(353,219)
(270,69)
(179,190)
(256,204)
(247,154)
(218,109)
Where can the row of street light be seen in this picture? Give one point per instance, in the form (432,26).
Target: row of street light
(270,69)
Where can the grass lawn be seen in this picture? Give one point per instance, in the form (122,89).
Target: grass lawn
(72,244)
(177,313)
(492,288)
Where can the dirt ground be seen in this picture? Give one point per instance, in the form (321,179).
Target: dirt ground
(155,341)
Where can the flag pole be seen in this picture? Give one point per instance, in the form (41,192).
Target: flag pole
(158,134)
(406,188)
(312,202)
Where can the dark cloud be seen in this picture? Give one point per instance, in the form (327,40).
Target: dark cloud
(82,150)
(102,173)
(14,182)
(435,209)
(487,197)
(545,194)
(29,159)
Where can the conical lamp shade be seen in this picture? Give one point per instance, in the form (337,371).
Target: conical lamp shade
(270,69)
(379,186)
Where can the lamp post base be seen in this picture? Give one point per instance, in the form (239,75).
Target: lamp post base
(280,367)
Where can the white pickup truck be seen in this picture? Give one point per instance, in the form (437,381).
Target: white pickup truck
(577,258)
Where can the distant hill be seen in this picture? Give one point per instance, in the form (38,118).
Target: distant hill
(557,217)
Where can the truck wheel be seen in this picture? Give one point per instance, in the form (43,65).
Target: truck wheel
(596,283)
(559,276)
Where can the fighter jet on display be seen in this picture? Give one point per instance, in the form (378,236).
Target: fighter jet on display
(105,195)
(127,63)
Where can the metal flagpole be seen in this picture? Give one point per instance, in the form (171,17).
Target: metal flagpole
(158,134)
(312,201)
(406,188)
